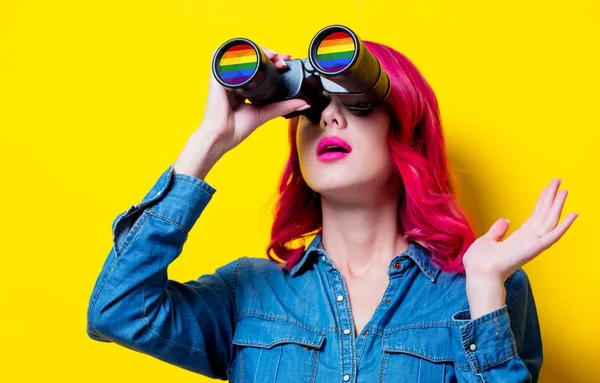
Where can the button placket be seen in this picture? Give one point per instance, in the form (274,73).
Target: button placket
(345,323)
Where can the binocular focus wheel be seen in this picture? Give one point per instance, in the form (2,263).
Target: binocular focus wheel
(335,52)
(238,63)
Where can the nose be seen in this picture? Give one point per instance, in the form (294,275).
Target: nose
(332,116)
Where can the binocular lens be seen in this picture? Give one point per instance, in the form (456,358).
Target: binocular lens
(335,52)
(238,63)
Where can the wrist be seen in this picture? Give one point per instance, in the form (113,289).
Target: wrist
(201,152)
(484,295)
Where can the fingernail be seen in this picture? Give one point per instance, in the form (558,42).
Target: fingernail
(303,108)
(507,220)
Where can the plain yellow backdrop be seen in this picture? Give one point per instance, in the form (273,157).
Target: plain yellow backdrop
(98,99)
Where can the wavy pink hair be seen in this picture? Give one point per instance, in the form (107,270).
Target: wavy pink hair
(428,211)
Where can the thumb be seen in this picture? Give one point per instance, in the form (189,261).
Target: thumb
(281,108)
(498,230)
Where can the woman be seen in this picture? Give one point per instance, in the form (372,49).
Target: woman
(393,286)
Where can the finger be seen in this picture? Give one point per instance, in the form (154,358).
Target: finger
(271,111)
(539,201)
(273,56)
(549,239)
(547,201)
(555,211)
(268,52)
(498,230)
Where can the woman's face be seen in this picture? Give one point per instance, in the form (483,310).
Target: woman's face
(364,170)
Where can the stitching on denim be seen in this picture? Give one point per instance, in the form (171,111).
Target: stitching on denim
(348,311)
(241,359)
(331,276)
(159,194)
(133,232)
(464,338)
(421,356)
(475,323)
(256,314)
(232,288)
(424,325)
(200,186)
(497,361)
(315,359)
(384,358)
(294,340)
(168,220)
(462,366)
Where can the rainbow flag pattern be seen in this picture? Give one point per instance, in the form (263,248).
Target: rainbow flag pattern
(335,51)
(238,63)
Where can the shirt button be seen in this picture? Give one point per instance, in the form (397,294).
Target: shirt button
(346,331)
(340,298)
(346,378)
(473,347)
(397,265)
(323,258)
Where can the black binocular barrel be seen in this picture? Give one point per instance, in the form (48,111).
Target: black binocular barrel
(239,64)
(339,55)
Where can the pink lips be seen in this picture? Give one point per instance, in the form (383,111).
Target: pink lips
(327,156)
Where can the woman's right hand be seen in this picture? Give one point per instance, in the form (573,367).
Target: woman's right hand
(230,120)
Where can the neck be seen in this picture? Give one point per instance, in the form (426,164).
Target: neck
(362,237)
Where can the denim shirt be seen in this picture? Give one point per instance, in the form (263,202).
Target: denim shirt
(253,321)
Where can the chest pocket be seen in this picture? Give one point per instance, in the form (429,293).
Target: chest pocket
(419,354)
(275,351)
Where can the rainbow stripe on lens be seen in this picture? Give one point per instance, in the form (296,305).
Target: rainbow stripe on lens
(335,51)
(238,63)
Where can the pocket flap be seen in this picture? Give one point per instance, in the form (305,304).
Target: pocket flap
(258,332)
(431,343)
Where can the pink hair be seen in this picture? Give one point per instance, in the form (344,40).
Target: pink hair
(428,211)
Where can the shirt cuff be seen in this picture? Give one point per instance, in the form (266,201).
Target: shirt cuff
(487,340)
(178,198)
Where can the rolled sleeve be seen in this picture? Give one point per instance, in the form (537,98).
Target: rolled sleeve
(135,304)
(175,197)
(504,345)
(487,340)
(183,199)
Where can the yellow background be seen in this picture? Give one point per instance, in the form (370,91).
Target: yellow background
(98,99)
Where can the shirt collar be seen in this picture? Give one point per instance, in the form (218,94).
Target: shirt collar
(415,252)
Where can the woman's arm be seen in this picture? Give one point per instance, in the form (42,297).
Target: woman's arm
(503,345)
(133,302)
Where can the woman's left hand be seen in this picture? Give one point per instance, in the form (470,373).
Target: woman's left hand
(489,262)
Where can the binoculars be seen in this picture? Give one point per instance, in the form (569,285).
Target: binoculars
(338,63)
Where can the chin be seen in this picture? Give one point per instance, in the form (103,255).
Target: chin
(339,189)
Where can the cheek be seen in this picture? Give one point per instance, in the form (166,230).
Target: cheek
(304,143)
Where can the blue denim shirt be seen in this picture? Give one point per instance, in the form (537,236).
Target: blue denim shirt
(253,321)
